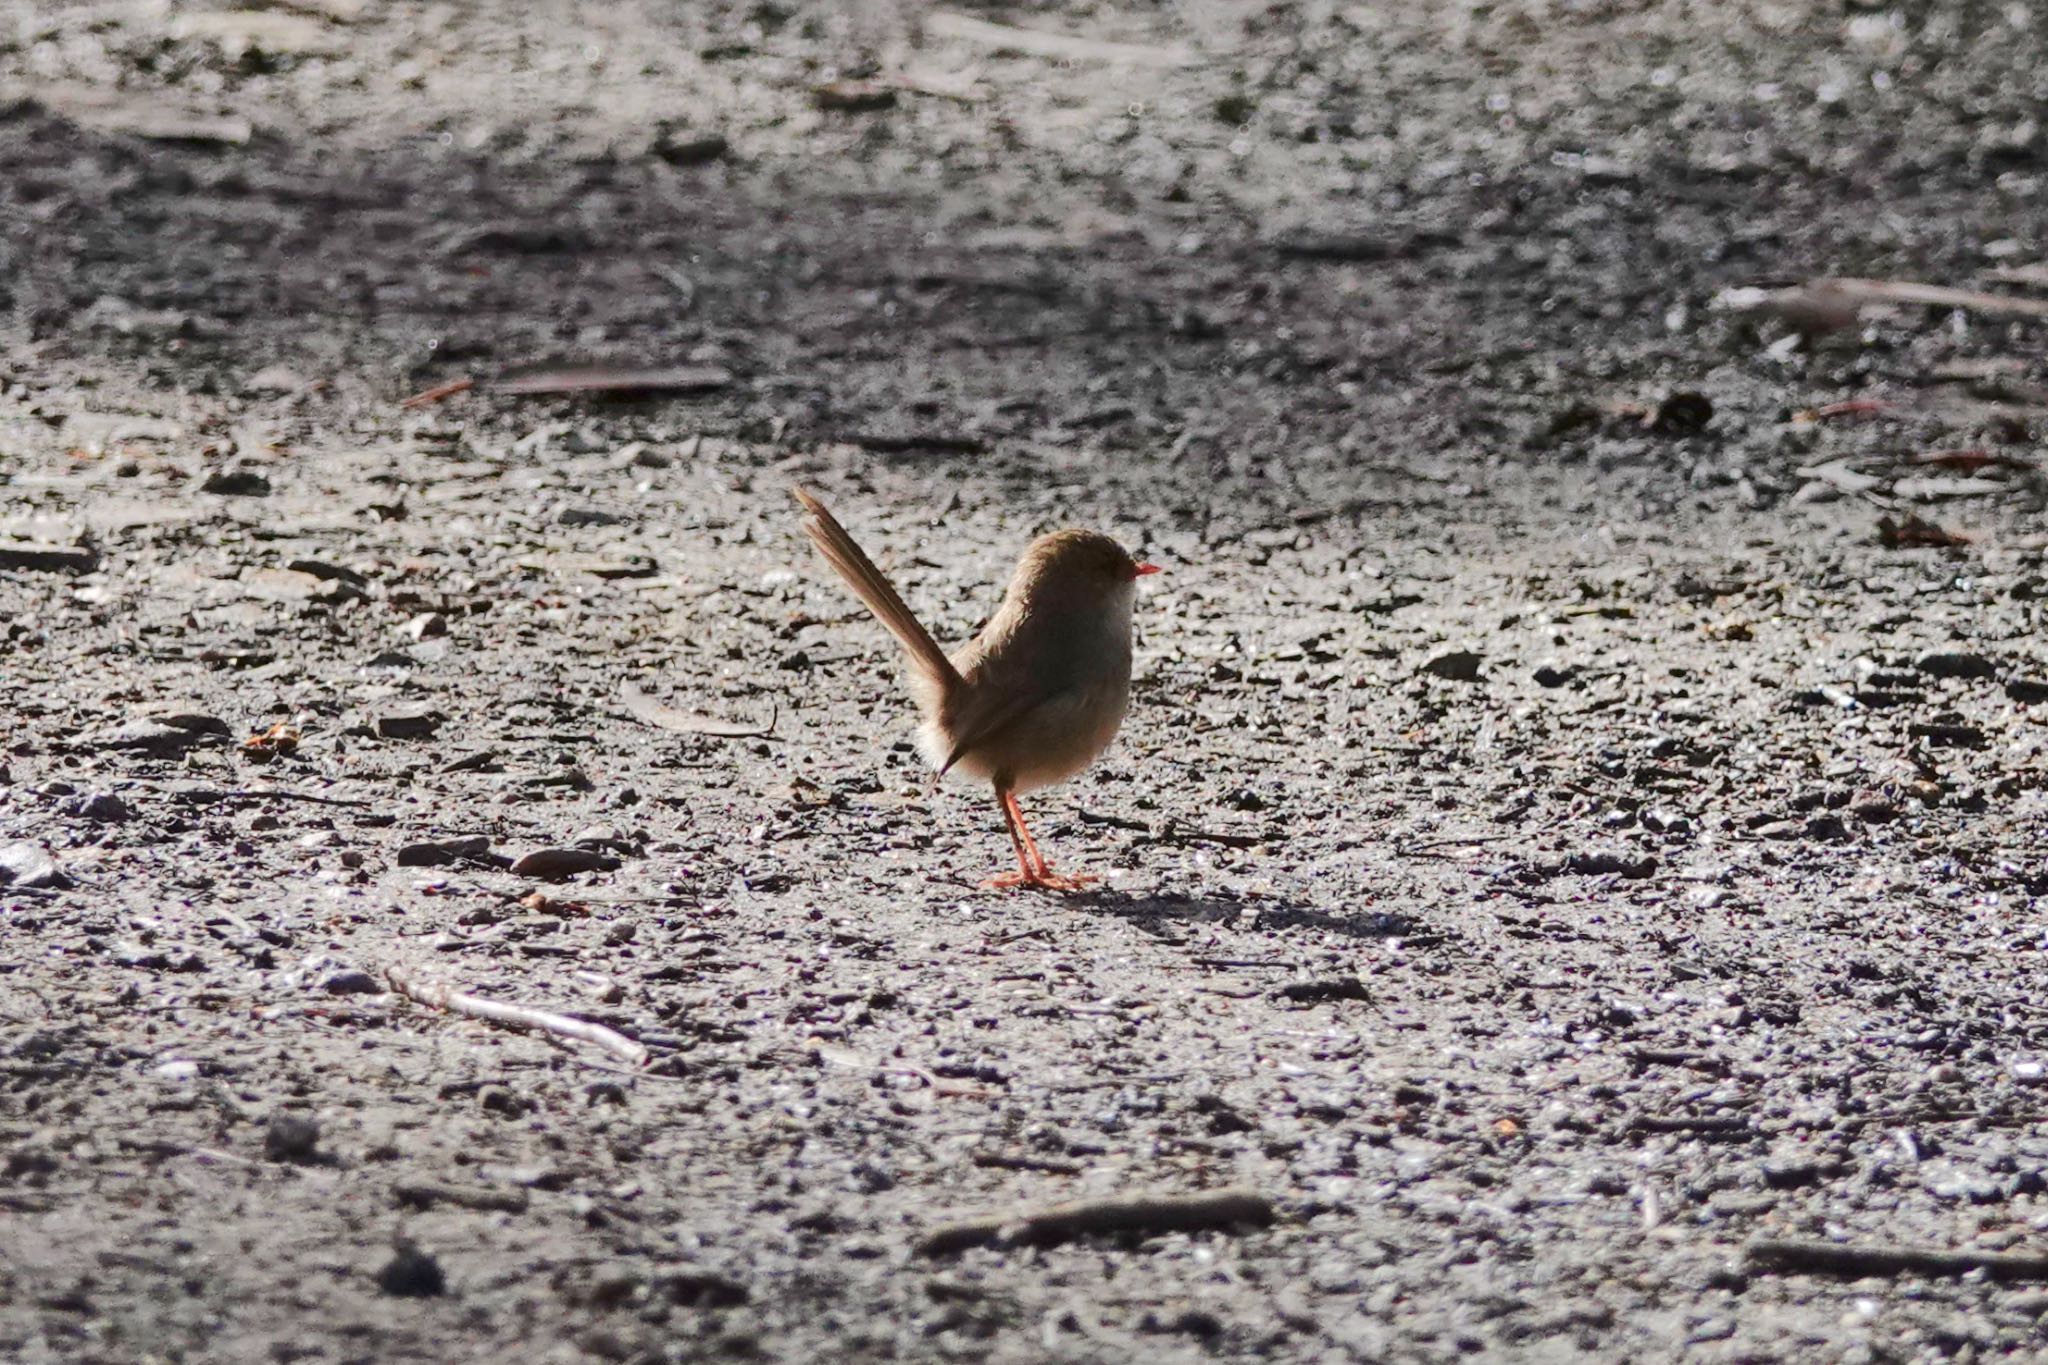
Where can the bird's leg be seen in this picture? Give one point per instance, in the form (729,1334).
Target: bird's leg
(1027,865)
(1039,869)
(1033,869)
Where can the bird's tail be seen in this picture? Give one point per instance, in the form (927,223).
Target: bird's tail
(880,595)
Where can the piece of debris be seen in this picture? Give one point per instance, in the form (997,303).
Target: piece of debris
(474,848)
(236,483)
(332,573)
(426,1194)
(292,1138)
(1356,247)
(351,981)
(1911,532)
(918,443)
(48,558)
(515,1016)
(427,397)
(1059,46)
(1610,864)
(27,867)
(146,114)
(1328,988)
(682,149)
(1955,664)
(853,97)
(279,740)
(1812,310)
(612,381)
(1458,665)
(1948,735)
(2027,691)
(408,725)
(1936,296)
(1684,413)
(294,585)
(555,864)
(1854,407)
(648,711)
(1140,1215)
(102,807)
(412,1274)
(1851,1260)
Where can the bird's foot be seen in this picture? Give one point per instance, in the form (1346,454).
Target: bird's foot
(1044,879)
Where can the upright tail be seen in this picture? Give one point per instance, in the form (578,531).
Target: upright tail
(880,595)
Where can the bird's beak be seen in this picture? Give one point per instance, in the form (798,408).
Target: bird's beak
(1144,569)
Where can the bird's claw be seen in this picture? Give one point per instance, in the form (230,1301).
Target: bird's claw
(1047,880)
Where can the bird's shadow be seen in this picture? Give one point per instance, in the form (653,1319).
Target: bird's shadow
(1249,913)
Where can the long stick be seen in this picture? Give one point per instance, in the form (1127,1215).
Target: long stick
(516,1016)
(1146,1214)
(1838,1258)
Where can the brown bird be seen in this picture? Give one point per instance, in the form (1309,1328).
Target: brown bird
(1039,693)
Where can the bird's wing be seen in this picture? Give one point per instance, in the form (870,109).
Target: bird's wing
(977,731)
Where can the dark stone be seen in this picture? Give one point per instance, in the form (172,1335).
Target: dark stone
(1458,665)
(412,1274)
(105,807)
(293,1138)
(352,982)
(1945,664)
(236,483)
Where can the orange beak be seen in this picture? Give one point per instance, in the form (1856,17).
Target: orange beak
(1144,569)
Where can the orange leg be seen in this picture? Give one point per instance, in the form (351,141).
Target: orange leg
(1032,869)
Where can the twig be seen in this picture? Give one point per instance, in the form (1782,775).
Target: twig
(1940,296)
(1003,1161)
(1701,1125)
(1060,46)
(1839,1258)
(424,1194)
(203,795)
(1183,837)
(1452,841)
(648,711)
(428,397)
(1146,1214)
(515,1016)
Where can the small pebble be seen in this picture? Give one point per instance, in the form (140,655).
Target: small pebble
(105,807)
(292,1137)
(1458,665)
(412,1274)
(352,982)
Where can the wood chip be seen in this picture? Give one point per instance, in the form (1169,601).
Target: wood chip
(1842,1258)
(613,381)
(48,558)
(1141,1215)
(554,864)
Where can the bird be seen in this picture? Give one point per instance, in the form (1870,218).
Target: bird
(1038,694)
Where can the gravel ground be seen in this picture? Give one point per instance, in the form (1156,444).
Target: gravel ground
(1571,870)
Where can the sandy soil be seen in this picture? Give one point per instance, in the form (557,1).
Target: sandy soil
(1562,847)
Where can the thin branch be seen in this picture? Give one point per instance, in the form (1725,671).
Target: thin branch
(515,1016)
(1839,1258)
(1142,1214)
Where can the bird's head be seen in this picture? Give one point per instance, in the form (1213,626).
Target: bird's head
(1078,567)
